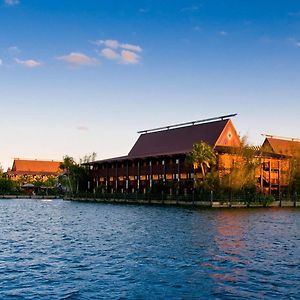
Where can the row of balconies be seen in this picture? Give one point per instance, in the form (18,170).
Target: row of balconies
(156,177)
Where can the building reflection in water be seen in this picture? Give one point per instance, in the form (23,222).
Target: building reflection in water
(227,260)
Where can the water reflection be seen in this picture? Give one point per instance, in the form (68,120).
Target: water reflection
(54,250)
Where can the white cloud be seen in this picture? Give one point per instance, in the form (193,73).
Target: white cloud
(129,57)
(30,63)
(110,54)
(122,52)
(131,47)
(78,59)
(114,44)
(1,62)
(11,2)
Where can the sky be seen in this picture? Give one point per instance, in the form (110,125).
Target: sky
(84,76)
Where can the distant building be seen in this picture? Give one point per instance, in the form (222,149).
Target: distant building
(33,170)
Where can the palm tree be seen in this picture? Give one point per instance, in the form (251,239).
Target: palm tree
(203,157)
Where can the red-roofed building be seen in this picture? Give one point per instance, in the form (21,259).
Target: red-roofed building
(159,155)
(280,172)
(285,146)
(34,169)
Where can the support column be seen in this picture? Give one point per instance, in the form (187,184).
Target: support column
(127,176)
(279,177)
(106,178)
(270,168)
(178,179)
(164,168)
(150,174)
(116,181)
(262,177)
(138,180)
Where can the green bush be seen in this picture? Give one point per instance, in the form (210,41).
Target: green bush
(6,186)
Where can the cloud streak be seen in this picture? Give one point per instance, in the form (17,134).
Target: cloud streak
(30,63)
(294,14)
(223,33)
(78,59)
(114,44)
(294,42)
(13,50)
(11,2)
(82,128)
(190,8)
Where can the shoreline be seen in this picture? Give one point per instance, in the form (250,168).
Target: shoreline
(7,197)
(203,204)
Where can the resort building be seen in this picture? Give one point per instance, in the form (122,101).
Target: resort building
(33,170)
(277,168)
(159,157)
(282,145)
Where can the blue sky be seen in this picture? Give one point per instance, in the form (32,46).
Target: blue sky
(85,75)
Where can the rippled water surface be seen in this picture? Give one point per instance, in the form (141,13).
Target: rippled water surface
(67,250)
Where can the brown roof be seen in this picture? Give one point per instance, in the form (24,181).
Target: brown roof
(22,166)
(282,146)
(180,140)
(177,140)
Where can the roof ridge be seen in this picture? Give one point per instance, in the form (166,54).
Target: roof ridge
(187,124)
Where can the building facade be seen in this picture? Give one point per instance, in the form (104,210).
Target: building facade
(159,158)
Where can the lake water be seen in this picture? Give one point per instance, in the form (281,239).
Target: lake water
(70,250)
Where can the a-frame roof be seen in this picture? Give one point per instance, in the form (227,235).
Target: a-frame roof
(178,140)
(282,146)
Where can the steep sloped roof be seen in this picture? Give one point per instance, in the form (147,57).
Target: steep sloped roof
(282,146)
(177,140)
(36,166)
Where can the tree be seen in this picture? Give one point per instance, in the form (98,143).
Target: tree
(6,186)
(68,166)
(75,175)
(242,175)
(294,176)
(88,158)
(203,157)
